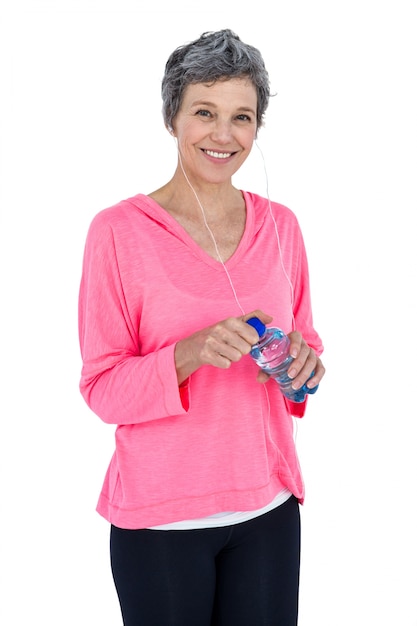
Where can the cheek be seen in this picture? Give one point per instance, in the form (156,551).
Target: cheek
(187,136)
(248,136)
(248,140)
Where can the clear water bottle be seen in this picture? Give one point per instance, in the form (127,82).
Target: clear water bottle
(271,354)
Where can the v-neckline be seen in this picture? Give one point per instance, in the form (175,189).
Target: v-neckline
(165,217)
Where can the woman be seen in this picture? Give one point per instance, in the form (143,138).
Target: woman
(203,490)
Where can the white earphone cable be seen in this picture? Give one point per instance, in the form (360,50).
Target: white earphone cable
(211,235)
(230,279)
(277,235)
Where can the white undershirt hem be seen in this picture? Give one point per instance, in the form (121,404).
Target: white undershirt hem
(226,519)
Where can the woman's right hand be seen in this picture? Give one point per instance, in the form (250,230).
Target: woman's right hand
(218,345)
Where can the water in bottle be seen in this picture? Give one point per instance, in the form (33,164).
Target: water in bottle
(271,354)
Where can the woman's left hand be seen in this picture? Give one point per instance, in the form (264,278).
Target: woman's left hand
(305,362)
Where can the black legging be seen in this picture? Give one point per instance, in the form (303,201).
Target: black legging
(241,575)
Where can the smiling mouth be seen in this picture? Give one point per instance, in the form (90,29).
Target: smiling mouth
(218,155)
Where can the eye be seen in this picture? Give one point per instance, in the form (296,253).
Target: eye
(242,117)
(203,113)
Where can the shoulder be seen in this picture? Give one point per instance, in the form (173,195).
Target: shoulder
(115,214)
(263,207)
(120,219)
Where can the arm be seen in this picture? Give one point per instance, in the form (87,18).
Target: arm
(306,345)
(118,384)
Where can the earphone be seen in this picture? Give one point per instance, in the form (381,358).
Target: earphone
(170,129)
(295,424)
(277,235)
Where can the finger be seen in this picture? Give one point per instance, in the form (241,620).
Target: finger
(250,333)
(237,334)
(311,365)
(264,317)
(305,355)
(296,343)
(225,346)
(319,372)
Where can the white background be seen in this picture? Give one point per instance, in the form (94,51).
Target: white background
(81,128)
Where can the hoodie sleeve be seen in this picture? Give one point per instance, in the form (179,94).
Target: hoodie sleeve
(117,383)
(303,316)
(302,308)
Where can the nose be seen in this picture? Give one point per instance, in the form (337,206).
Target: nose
(222,131)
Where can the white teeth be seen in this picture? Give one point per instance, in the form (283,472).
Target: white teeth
(218,155)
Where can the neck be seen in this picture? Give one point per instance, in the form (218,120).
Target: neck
(214,197)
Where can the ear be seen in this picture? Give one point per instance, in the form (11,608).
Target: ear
(171,130)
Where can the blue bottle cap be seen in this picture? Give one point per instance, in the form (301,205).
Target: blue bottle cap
(256,323)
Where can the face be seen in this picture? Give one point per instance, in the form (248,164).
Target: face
(215,128)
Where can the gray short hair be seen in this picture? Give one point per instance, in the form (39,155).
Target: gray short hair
(213,56)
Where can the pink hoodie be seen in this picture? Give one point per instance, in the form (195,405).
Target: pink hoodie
(222,441)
